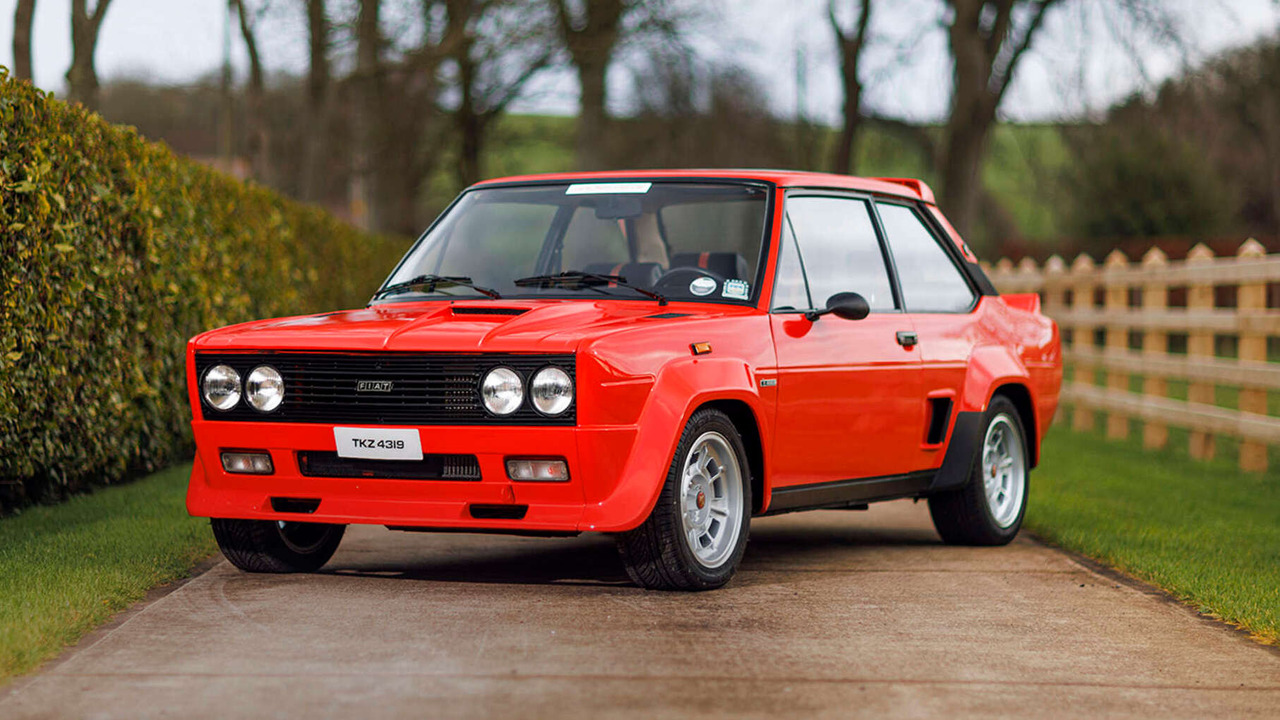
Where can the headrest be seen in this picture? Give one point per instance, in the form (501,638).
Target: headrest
(727,265)
(643,274)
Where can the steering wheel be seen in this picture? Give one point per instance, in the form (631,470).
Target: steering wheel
(677,281)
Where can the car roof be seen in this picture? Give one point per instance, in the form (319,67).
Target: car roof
(900,187)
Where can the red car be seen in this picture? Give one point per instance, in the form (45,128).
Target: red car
(658,355)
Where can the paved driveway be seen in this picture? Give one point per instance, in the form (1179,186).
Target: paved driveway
(834,614)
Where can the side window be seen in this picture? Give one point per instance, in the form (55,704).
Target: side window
(789,289)
(930,280)
(839,249)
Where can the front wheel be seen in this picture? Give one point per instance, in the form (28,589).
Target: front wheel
(697,532)
(269,546)
(989,509)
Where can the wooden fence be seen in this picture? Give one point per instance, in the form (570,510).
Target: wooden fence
(1132,332)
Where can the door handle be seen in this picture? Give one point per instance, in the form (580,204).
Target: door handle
(907,339)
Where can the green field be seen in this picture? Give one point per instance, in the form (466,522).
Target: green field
(65,569)
(1206,532)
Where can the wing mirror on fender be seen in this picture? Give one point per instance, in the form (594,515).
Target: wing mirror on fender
(847,305)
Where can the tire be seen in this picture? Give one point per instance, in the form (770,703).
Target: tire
(697,532)
(267,546)
(983,513)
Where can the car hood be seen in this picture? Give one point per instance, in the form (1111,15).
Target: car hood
(550,326)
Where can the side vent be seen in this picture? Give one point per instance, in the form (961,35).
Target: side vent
(939,418)
(483,310)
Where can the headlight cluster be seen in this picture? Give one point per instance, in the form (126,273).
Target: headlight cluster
(263,390)
(550,391)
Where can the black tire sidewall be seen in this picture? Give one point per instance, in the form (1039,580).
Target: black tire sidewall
(258,546)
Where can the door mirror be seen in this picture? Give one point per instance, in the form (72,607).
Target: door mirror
(847,305)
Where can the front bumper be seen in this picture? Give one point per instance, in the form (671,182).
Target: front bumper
(600,495)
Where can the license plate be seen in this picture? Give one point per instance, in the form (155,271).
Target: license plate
(378,443)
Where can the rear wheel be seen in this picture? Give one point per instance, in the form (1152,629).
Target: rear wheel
(697,532)
(989,509)
(269,546)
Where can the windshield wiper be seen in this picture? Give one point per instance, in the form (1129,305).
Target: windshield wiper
(429,284)
(577,280)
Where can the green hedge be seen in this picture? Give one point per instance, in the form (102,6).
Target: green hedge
(113,252)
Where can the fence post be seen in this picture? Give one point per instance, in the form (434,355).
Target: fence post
(1200,345)
(1117,338)
(1082,271)
(1054,269)
(1253,348)
(1155,343)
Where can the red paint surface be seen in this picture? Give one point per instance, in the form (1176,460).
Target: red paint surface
(849,400)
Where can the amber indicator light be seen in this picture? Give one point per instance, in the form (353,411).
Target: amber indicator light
(701,348)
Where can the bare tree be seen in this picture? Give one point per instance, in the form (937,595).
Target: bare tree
(591,36)
(493,66)
(367,85)
(850,45)
(316,114)
(259,138)
(22,18)
(987,38)
(82,77)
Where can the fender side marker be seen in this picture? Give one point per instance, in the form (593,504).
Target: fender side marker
(700,348)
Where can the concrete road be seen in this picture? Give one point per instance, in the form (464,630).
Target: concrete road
(834,614)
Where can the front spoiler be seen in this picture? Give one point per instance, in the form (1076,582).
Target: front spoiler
(591,500)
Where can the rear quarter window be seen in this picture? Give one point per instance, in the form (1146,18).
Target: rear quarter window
(929,277)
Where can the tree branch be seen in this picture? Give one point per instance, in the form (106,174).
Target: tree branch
(100,12)
(1002,74)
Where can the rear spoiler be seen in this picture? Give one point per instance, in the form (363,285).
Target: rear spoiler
(919,187)
(1029,302)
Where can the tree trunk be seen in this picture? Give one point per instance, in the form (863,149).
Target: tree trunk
(967,131)
(259,136)
(316,118)
(22,18)
(82,77)
(987,39)
(593,116)
(591,40)
(844,161)
(368,96)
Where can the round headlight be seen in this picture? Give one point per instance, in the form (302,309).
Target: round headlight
(551,390)
(264,388)
(502,390)
(221,387)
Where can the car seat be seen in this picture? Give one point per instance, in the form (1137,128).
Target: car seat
(730,266)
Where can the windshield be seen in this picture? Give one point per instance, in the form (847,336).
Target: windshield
(684,241)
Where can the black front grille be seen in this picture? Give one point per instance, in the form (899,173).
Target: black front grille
(430,467)
(385,388)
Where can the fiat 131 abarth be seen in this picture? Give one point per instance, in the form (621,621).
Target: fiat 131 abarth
(658,355)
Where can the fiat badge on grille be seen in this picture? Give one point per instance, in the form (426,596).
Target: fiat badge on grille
(379,386)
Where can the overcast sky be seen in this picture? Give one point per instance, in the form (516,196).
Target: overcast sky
(1081,65)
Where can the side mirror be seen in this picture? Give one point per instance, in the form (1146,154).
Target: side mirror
(847,305)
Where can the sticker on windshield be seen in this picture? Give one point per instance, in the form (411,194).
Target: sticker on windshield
(702,286)
(736,290)
(634,188)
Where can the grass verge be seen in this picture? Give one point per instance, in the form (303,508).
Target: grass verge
(1206,532)
(65,569)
